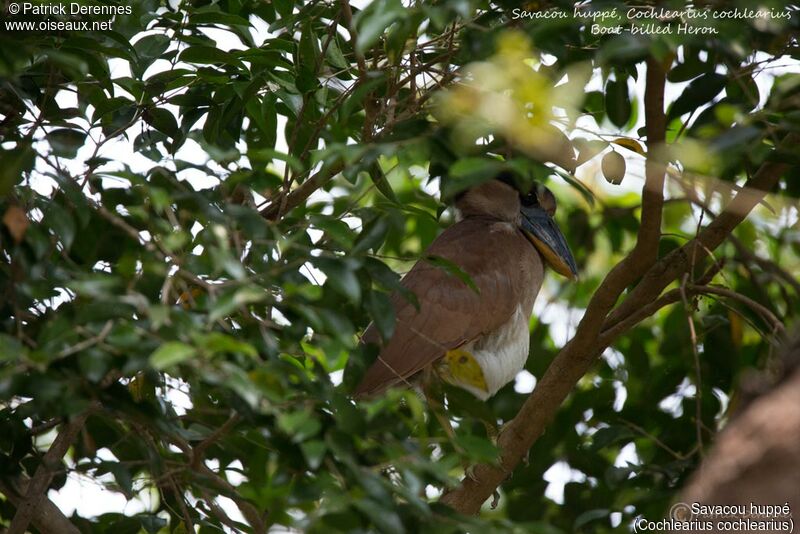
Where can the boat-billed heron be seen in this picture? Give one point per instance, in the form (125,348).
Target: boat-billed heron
(474,335)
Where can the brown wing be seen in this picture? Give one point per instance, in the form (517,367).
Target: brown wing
(503,265)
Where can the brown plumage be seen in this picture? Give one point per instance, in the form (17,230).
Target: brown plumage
(489,246)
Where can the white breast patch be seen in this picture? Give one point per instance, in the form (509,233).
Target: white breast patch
(501,354)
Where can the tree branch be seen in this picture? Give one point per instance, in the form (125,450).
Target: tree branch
(609,335)
(765,264)
(199,450)
(646,249)
(34,494)
(48,519)
(302,192)
(577,356)
(287,200)
(249,511)
(756,457)
(680,260)
(351,28)
(763,311)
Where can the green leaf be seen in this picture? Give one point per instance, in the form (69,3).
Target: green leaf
(334,55)
(208,55)
(380,181)
(691,67)
(335,229)
(382,274)
(385,519)
(66,142)
(152,524)
(618,101)
(219,343)
(589,516)
(232,300)
(152,46)
(454,270)
(94,365)
(396,38)
(314,452)
(382,312)
(262,113)
(372,235)
(308,54)
(162,120)
(588,149)
(462,403)
(468,172)
(148,49)
(218,17)
(374,20)
(743,90)
(61,222)
(737,138)
(341,277)
(300,425)
(699,92)
(594,104)
(268,154)
(610,435)
(584,191)
(356,100)
(623,49)
(110,105)
(171,354)
(11,348)
(477,448)
(117,119)
(16,162)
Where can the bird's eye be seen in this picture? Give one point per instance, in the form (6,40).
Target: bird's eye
(529,199)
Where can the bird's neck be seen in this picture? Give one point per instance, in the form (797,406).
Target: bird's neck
(490,218)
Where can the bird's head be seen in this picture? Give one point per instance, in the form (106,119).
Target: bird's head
(537,209)
(532,211)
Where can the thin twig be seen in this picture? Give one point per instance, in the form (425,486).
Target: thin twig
(218,512)
(698,381)
(249,511)
(87,343)
(763,311)
(636,428)
(199,450)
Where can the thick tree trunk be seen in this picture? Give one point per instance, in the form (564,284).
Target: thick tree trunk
(756,459)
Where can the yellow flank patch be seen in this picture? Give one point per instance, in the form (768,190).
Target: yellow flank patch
(463,368)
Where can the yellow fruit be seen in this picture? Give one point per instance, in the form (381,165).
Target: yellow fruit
(631,144)
(613,166)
